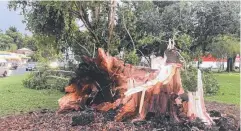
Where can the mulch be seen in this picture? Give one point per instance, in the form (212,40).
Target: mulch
(47,120)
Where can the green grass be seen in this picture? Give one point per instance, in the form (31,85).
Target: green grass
(229,88)
(14,98)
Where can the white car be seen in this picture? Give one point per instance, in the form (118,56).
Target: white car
(31,67)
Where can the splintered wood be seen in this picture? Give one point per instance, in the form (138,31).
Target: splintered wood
(106,82)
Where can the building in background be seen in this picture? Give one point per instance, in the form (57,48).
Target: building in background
(14,58)
(212,62)
(24,51)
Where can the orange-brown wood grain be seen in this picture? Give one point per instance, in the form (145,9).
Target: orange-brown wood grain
(157,99)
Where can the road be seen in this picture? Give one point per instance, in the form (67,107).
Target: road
(20,70)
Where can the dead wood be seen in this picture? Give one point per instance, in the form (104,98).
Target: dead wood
(106,83)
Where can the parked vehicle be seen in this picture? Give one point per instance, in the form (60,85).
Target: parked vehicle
(4,68)
(14,66)
(31,67)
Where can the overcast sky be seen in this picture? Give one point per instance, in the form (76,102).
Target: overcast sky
(11,18)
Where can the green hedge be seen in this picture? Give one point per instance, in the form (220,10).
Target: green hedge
(47,79)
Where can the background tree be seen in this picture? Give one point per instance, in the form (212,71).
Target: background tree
(58,19)
(16,36)
(12,39)
(30,42)
(142,26)
(45,52)
(225,46)
(6,42)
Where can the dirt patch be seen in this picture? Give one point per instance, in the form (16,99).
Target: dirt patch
(229,110)
(48,120)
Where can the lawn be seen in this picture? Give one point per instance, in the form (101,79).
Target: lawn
(229,88)
(14,98)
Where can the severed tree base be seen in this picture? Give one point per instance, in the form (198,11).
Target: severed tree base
(106,83)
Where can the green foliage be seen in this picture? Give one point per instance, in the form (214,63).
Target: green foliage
(150,24)
(30,42)
(82,44)
(189,81)
(46,51)
(17,37)
(198,21)
(11,40)
(184,42)
(35,81)
(132,58)
(59,19)
(13,47)
(210,83)
(224,46)
(45,79)
(149,39)
(5,42)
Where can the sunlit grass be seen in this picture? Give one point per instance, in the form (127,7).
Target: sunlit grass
(229,88)
(14,98)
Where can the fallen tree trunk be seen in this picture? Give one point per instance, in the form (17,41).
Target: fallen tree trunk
(107,83)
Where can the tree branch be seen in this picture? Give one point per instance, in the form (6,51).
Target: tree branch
(82,47)
(144,57)
(93,51)
(85,20)
(128,32)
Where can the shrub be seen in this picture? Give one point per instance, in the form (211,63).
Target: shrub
(132,58)
(211,85)
(35,81)
(46,79)
(189,81)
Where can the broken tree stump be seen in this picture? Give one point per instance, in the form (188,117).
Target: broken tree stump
(107,83)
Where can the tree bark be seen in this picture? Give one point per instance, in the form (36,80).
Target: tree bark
(228,69)
(222,64)
(230,64)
